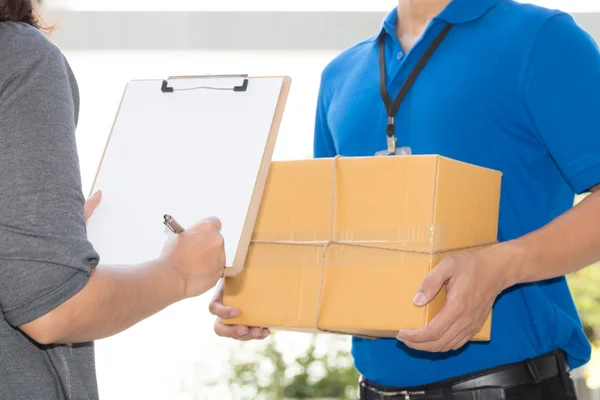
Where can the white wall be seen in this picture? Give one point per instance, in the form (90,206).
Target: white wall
(228,30)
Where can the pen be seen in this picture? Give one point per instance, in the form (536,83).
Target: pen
(172,224)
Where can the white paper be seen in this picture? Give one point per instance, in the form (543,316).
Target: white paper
(190,154)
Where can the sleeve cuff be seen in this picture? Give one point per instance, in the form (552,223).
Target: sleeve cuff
(586,179)
(27,312)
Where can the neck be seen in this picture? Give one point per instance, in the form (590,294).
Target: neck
(414,15)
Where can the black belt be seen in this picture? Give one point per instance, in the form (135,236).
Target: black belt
(489,385)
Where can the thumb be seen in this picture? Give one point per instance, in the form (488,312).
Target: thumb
(91,204)
(433,283)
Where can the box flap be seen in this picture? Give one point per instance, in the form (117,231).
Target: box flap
(385,202)
(467,202)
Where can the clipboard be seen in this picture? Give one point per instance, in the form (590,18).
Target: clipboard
(191,147)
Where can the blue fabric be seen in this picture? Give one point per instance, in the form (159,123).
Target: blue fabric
(514,87)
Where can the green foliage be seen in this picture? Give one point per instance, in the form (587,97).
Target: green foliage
(309,376)
(585,287)
(337,382)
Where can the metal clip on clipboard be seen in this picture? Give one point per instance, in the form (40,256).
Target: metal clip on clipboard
(165,88)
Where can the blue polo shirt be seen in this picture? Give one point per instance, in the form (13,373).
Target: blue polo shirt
(513,87)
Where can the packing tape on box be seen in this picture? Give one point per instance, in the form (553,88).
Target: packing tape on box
(325,244)
(430,235)
(409,238)
(329,242)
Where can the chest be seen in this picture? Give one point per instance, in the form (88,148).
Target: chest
(465,101)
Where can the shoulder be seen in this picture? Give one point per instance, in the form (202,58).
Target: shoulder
(342,64)
(26,51)
(556,37)
(562,29)
(543,23)
(527,12)
(28,56)
(24,44)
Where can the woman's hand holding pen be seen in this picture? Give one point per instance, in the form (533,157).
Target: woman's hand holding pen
(198,255)
(200,280)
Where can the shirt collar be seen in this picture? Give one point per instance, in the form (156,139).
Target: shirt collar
(457,12)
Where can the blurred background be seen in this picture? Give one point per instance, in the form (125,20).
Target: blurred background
(175,355)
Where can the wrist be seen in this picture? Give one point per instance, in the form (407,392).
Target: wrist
(174,278)
(514,260)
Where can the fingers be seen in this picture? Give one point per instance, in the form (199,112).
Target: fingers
(217,309)
(216,306)
(210,228)
(429,334)
(439,325)
(210,224)
(447,331)
(433,282)
(239,332)
(222,312)
(415,340)
(213,222)
(463,312)
(453,343)
(433,333)
(460,340)
(91,204)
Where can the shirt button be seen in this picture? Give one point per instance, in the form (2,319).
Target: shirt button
(400,55)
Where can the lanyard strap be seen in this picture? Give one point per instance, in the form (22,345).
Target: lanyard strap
(392,107)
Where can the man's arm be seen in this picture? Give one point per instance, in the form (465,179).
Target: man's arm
(566,245)
(474,279)
(561,92)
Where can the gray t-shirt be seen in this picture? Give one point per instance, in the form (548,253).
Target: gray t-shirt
(45,257)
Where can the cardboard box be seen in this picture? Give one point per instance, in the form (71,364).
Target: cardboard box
(341,245)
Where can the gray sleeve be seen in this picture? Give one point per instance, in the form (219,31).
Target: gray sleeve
(45,257)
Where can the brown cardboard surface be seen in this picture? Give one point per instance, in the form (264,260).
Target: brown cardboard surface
(343,244)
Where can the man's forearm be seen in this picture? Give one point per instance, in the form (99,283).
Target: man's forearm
(114,299)
(567,244)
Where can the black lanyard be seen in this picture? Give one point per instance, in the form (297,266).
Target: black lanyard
(393,107)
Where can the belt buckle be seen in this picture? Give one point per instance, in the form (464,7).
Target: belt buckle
(383,395)
(407,395)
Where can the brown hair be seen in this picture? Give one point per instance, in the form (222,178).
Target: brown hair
(27,11)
